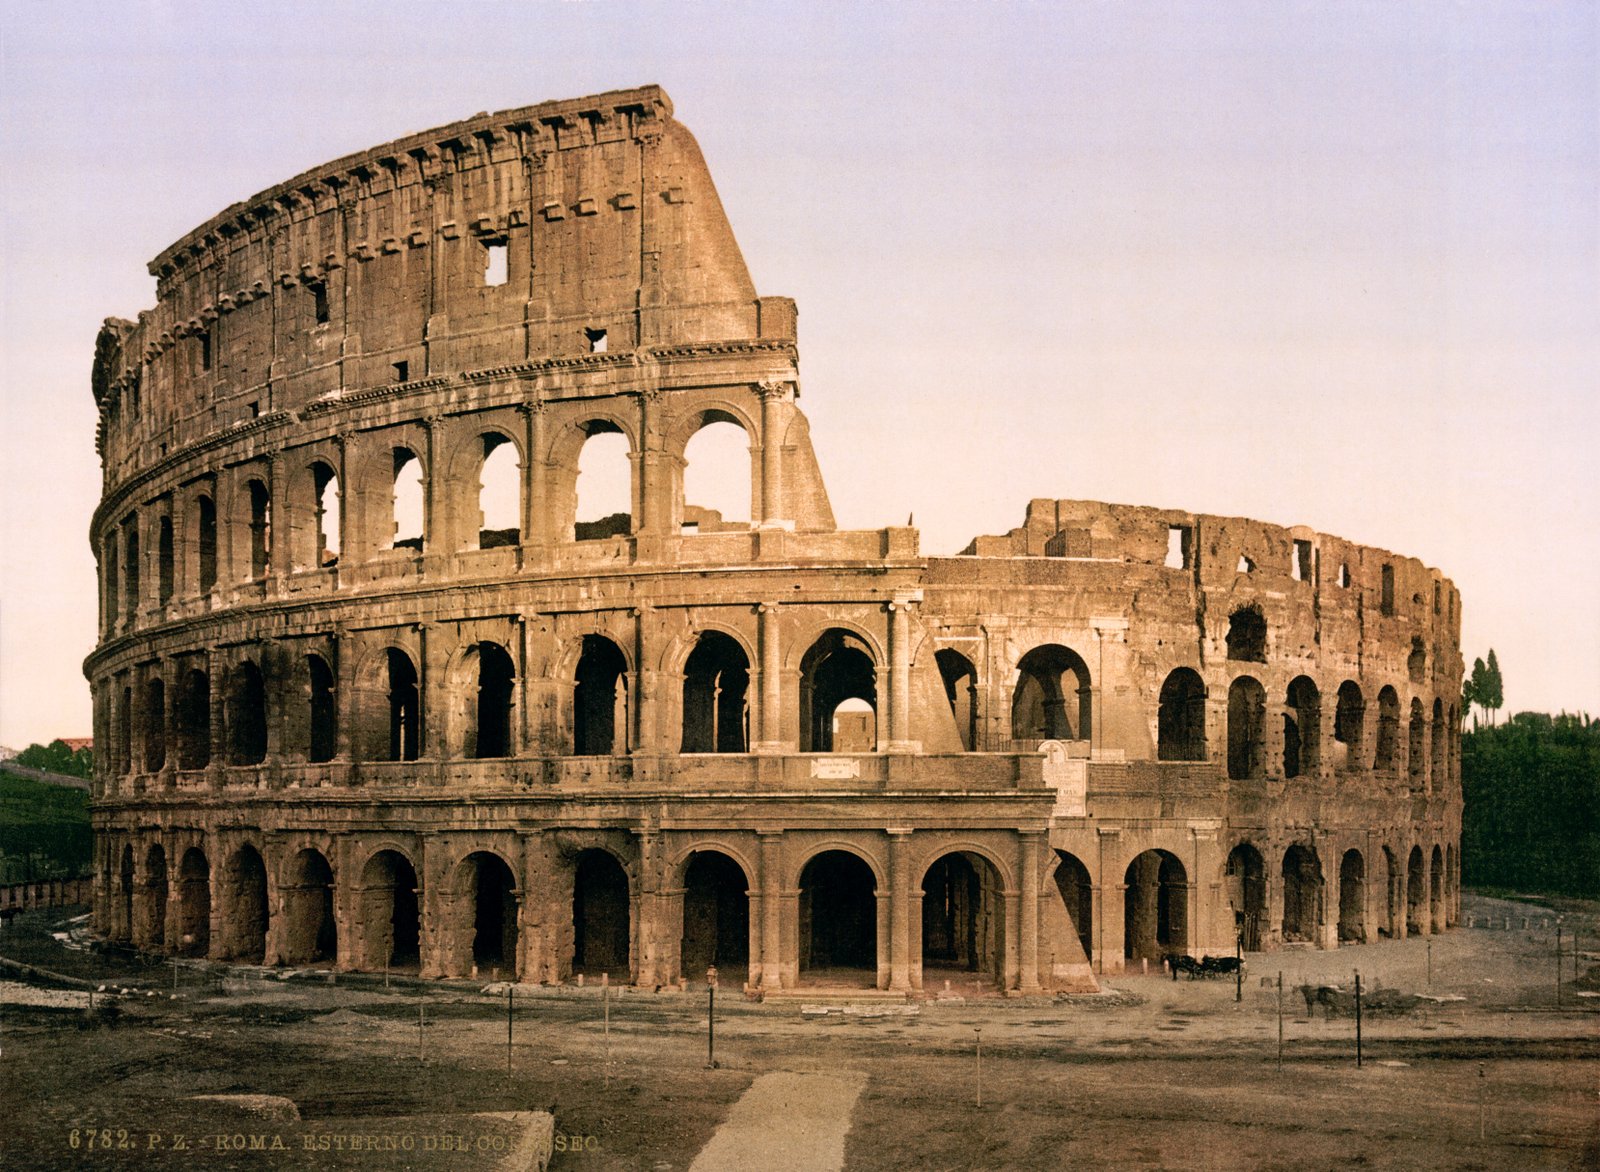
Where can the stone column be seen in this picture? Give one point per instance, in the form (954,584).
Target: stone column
(771,856)
(435,937)
(344,701)
(645,734)
(1028,882)
(899,738)
(280,549)
(899,909)
(771,722)
(1108,942)
(773,397)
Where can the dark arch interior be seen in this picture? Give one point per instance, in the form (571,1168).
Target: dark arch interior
(1416,892)
(247,921)
(838,913)
(1247,702)
(390,913)
(1181,717)
(496,679)
(312,933)
(600,915)
(247,716)
(155,886)
(716,678)
(1247,636)
(1077,892)
(1247,892)
(1302,893)
(1052,701)
(1352,898)
(405,709)
(716,914)
(961,690)
(1155,907)
(600,700)
(194,903)
(323,708)
(493,900)
(837,668)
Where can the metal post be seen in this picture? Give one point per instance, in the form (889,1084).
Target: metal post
(711,1018)
(1358,1021)
(1238,968)
(1480,1101)
(1430,962)
(1280,1020)
(978,1033)
(1558,965)
(422,1011)
(510,1004)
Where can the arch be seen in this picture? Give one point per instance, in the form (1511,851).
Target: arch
(1181,717)
(1247,635)
(205,546)
(1417,661)
(1246,874)
(245,906)
(405,706)
(838,666)
(1045,706)
(1416,892)
(153,724)
(1450,914)
(716,710)
(1436,757)
(716,913)
(130,566)
(123,929)
(495,694)
(838,916)
(1436,891)
(601,915)
(600,700)
(499,504)
(194,903)
(1155,909)
(1388,749)
(717,474)
(1452,748)
(260,505)
(193,719)
(1349,723)
(407,504)
(961,690)
(391,920)
(1416,737)
(964,916)
(124,748)
(310,933)
(245,715)
(1352,898)
(1302,893)
(164,561)
(1247,708)
(329,509)
(603,491)
(1392,922)
(486,906)
(155,899)
(1302,727)
(323,710)
(1076,888)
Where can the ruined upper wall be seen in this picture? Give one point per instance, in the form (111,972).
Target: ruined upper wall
(538,233)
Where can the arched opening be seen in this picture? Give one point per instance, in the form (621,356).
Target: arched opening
(496,682)
(1416,893)
(1417,661)
(489,896)
(1155,911)
(716,915)
(407,502)
(123,929)
(155,899)
(1390,927)
(601,916)
(1349,723)
(1077,894)
(1302,893)
(1247,635)
(1436,891)
(604,492)
(961,690)
(1436,749)
(600,700)
(325,489)
(838,918)
(963,918)
(206,542)
(153,725)
(1352,898)
(1452,747)
(260,528)
(405,709)
(391,919)
(837,667)
(1247,894)
(1302,727)
(323,710)
(194,903)
(1416,734)
(499,493)
(1181,717)
(1450,914)
(716,677)
(130,566)
(164,559)
(194,720)
(113,577)
(124,749)
(1052,700)
(716,476)
(1247,708)
(247,907)
(1388,749)
(311,933)
(246,716)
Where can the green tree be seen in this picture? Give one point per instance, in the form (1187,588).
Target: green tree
(56,757)
(1478,684)
(1497,691)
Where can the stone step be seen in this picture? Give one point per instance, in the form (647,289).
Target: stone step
(837,996)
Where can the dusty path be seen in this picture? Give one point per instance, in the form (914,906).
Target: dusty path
(786,1120)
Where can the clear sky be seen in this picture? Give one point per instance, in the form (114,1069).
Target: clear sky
(1323,264)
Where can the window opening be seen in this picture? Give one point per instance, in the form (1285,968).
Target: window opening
(319,300)
(323,709)
(1247,636)
(326,483)
(495,262)
(716,476)
(1246,566)
(164,558)
(260,529)
(407,501)
(130,530)
(1300,564)
(1387,602)
(496,680)
(402,371)
(207,544)
(1180,539)
(597,340)
(405,716)
(605,484)
(499,494)
(204,339)
(1344,575)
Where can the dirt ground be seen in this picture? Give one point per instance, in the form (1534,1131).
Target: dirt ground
(1150,1074)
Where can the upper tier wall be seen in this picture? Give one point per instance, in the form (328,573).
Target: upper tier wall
(532,234)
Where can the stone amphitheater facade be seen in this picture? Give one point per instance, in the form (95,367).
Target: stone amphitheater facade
(654,742)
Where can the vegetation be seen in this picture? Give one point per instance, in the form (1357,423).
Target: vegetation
(1532,818)
(1484,687)
(44,829)
(58,758)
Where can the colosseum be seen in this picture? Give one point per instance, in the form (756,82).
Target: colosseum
(357,716)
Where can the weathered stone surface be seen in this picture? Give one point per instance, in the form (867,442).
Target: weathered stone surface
(607,746)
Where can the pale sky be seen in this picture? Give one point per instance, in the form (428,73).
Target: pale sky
(1324,264)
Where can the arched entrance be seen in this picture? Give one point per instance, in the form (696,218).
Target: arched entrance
(601,916)
(311,934)
(390,919)
(194,903)
(1077,894)
(1302,893)
(488,894)
(1247,894)
(963,918)
(837,668)
(1391,896)
(1155,907)
(1352,898)
(716,676)
(247,907)
(838,919)
(716,916)
(123,930)
(155,899)
(1416,893)
(1436,890)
